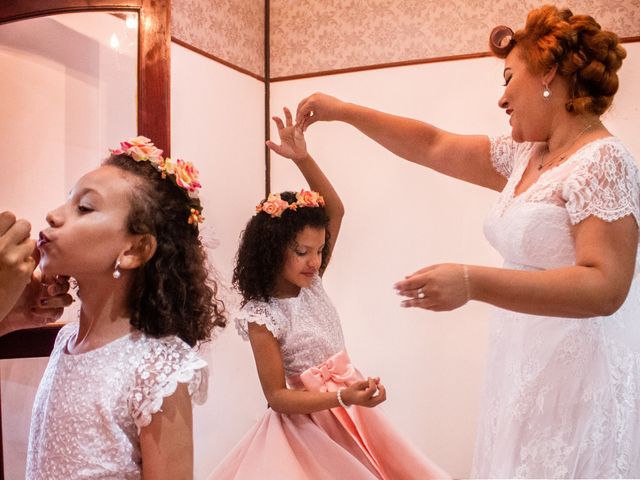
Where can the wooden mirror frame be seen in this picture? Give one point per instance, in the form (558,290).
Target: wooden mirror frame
(153,111)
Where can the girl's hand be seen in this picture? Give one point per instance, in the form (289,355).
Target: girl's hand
(438,287)
(366,393)
(292,143)
(317,107)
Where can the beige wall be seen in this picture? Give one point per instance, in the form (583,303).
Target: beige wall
(232,30)
(313,36)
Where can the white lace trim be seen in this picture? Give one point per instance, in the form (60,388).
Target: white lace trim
(158,378)
(502,151)
(259,313)
(607,186)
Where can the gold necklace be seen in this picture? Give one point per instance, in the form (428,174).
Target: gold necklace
(560,158)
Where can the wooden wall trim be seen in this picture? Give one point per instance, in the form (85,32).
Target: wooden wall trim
(404,63)
(418,61)
(267,98)
(378,66)
(32,343)
(13,10)
(210,56)
(154,72)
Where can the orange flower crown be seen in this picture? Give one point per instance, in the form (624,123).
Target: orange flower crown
(181,173)
(274,205)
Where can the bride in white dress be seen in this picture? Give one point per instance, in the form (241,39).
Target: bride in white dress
(562,393)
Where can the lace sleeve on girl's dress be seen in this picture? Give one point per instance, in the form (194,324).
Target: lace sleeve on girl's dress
(503,154)
(606,185)
(165,363)
(260,313)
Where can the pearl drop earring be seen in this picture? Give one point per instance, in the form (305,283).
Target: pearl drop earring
(546,93)
(116,270)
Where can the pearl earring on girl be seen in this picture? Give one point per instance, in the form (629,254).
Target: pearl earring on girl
(546,93)
(116,270)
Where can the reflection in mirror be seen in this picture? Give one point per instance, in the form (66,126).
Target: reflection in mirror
(68,90)
(69,96)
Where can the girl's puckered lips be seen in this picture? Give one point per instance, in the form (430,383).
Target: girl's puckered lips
(43,240)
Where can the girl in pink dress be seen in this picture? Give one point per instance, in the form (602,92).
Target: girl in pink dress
(321,422)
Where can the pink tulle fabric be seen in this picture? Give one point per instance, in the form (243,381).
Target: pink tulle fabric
(354,443)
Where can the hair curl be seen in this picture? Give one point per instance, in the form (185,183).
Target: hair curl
(587,56)
(261,254)
(171,293)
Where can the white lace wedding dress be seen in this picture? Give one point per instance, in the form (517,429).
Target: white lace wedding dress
(562,396)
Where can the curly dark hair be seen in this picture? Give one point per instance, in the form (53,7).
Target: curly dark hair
(586,55)
(261,253)
(172,293)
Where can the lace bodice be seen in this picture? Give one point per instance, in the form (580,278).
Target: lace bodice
(307,327)
(562,396)
(534,227)
(90,407)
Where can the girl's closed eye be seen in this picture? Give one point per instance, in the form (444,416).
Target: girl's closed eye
(84,209)
(507,80)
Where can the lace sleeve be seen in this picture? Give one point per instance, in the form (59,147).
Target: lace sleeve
(606,185)
(166,363)
(260,313)
(503,154)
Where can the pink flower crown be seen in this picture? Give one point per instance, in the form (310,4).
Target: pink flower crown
(181,173)
(274,205)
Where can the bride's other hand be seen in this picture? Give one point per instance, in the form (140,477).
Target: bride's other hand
(437,287)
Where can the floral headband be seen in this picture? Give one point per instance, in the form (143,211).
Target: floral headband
(274,205)
(181,173)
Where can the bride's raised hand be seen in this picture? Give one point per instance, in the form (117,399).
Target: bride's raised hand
(317,107)
(292,142)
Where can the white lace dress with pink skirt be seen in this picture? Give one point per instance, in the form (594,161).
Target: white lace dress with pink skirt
(562,395)
(353,443)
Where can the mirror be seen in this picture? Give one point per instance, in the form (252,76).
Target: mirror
(85,74)
(71,95)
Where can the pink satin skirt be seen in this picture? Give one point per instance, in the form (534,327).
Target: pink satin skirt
(353,443)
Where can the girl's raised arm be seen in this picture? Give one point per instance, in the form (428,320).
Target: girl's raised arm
(293,146)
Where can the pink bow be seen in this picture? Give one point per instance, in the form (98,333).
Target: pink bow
(330,375)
